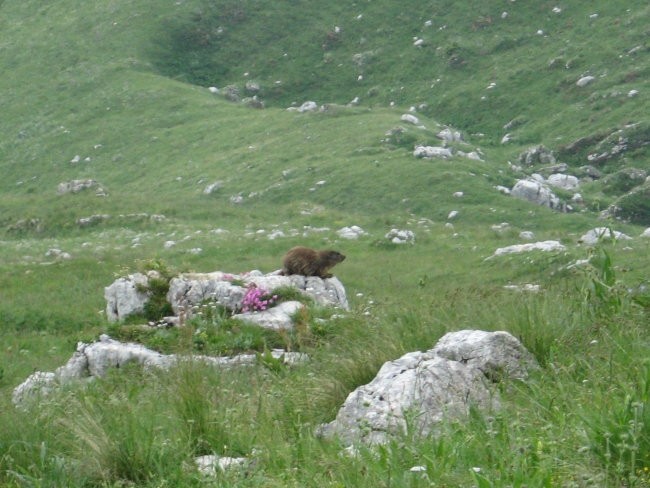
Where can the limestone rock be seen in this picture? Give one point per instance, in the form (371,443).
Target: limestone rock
(593,236)
(397,236)
(125,297)
(545,246)
(537,155)
(432,152)
(566,182)
(422,389)
(495,354)
(96,359)
(536,192)
(189,290)
(352,232)
(276,318)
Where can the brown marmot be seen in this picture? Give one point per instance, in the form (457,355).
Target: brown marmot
(310,262)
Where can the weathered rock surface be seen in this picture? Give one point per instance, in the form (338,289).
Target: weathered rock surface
(546,246)
(432,152)
(95,360)
(593,236)
(537,192)
(128,295)
(276,318)
(188,290)
(537,155)
(422,389)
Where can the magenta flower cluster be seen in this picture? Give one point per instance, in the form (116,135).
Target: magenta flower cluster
(257,299)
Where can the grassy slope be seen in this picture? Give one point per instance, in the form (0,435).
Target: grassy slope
(90,79)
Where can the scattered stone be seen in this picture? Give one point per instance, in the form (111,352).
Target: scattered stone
(352,232)
(75,186)
(212,187)
(546,246)
(92,220)
(501,228)
(432,152)
(58,254)
(411,119)
(537,192)
(275,318)
(594,236)
(209,465)
(566,182)
(308,107)
(449,136)
(537,155)
(452,215)
(526,235)
(397,236)
(585,80)
(528,287)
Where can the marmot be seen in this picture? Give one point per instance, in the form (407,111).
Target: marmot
(309,262)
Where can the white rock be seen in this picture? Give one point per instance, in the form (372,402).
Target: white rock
(526,235)
(646,233)
(212,187)
(585,80)
(546,246)
(452,215)
(458,194)
(593,236)
(125,296)
(352,232)
(210,464)
(449,136)
(536,192)
(431,152)
(632,93)
(528,287)
(213,89)
(560,180)
(421,390)
(96,359)
(397,236)
(308,107)
(275,318)
(410,118)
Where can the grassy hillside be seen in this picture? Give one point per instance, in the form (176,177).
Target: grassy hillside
(117,93)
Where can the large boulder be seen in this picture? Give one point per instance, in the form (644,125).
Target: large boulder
(420,390)
(126,296)
(537,192)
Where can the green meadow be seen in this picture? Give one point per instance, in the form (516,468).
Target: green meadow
(118,93)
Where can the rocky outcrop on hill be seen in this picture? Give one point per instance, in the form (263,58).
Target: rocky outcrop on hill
(129,295)
(420,390)
(95,360)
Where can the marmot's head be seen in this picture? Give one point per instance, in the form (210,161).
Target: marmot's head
(333,257)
